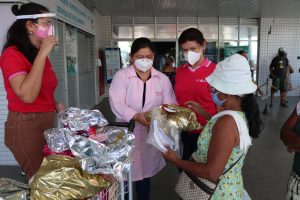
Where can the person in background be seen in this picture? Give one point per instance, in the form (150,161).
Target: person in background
(278,74)
(30,83)
(290,135)
(226,137)
(243,53)
(134,91)
(190,84)
(169,70)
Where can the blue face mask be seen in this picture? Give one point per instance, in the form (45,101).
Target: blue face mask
(216,100)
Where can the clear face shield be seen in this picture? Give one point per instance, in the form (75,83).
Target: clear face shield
(49,27)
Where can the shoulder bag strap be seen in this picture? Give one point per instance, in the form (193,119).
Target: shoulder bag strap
(233,165)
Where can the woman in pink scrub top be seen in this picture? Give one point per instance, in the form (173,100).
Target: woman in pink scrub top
(133,92)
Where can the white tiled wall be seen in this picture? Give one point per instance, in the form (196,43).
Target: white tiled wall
(6,158)
(102,40)
(284,33)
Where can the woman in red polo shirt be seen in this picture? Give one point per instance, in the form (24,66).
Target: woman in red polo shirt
(30,83)
(190,83)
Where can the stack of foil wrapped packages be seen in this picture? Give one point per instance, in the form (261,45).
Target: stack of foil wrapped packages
(167,122)
(82,157)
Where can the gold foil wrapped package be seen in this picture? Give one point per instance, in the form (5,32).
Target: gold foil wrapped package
(61,177)
(162,133)
(13,190)
(181,117)
(166,123)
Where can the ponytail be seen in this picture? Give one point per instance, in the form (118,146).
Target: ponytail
(251,110)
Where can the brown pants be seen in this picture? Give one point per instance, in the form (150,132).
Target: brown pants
(24,137)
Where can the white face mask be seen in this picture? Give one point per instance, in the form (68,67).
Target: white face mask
(192,57)
(143,64)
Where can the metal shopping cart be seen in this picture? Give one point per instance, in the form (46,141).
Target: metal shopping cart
(119,190)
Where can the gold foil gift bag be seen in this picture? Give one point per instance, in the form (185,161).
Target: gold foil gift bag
(61,177)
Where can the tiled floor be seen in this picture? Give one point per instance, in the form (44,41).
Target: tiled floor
(266,169)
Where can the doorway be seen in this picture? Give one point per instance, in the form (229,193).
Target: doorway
(163,50)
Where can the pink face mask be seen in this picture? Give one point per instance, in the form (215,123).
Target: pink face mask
(44,31)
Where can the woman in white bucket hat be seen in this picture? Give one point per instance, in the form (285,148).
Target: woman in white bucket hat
(227,136)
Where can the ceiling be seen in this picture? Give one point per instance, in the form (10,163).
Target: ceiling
(200,8)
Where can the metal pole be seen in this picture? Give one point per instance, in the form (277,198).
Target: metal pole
(122,188)
(130,185)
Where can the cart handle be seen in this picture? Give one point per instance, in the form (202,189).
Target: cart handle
(130,125)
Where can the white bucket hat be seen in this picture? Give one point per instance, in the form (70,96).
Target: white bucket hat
(232,76)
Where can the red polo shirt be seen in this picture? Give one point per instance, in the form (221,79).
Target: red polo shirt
(190,85)
(14,63)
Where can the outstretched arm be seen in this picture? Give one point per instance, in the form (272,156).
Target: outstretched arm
(198,108)
(287,134)
(224,139)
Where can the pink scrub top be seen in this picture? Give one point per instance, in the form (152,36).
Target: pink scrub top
(126,99)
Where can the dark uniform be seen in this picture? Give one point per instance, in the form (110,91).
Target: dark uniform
(278,68)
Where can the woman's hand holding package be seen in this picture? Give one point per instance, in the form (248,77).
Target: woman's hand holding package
(170,156)
(198,108)
(142,118)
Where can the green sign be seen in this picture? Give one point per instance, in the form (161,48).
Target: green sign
(230,50)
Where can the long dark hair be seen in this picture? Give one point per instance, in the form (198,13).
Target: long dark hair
(18,35)
(250,107)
